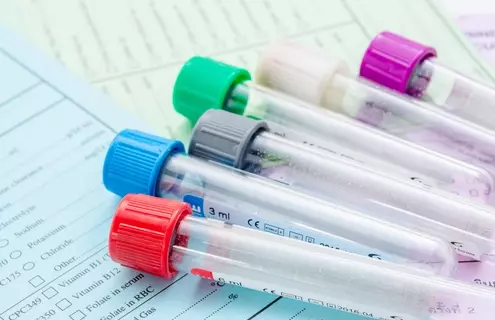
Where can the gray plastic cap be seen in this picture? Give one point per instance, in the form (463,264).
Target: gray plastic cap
(224,137)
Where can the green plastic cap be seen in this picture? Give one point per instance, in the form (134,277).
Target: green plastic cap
(204,84)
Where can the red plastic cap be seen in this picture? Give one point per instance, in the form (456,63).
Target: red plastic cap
(142,232)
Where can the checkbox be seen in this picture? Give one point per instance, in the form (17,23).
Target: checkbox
(78,315)
(50,293)
(63,304)
(37,281)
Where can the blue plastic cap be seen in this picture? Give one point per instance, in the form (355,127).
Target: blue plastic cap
(134,161)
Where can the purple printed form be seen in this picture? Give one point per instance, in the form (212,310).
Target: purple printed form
(480,29)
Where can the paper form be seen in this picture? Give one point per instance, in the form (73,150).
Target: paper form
(477,20)
(55,213)
(133,49)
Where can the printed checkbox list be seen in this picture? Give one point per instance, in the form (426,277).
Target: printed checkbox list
(36,281)
(63,304)
(78,315)
(50,293)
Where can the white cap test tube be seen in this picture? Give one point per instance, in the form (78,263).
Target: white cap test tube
(379,107)
(141,163)
(161,237)
(258,150)
(204,84)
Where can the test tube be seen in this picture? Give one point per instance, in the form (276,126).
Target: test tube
(140,163)
(162,237)
(262,152)
(412,68)
(204,84)
(379,107)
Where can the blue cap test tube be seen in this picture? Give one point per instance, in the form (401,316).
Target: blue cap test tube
(140,163)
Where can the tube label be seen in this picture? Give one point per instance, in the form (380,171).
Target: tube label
(286,174)
(461,148)
(294,290)
(355,156)
(434,135)
(250,216)
(372,107)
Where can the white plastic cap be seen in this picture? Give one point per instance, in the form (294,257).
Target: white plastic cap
(303,73)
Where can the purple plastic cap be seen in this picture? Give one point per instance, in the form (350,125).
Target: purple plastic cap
(390,60)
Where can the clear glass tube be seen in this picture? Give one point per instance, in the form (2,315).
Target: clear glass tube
(422,124)
(142,163)
(351,185)
(249,194)
(356,142)
(454,92)
(328,83)
(238,256)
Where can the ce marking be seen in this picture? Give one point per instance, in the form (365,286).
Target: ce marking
(269,291)
(253,223)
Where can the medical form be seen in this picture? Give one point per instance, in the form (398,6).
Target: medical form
(133,49)
(55,213)
(54,130)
